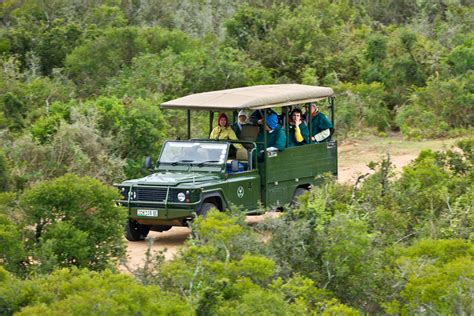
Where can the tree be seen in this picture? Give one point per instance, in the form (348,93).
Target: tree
(12,252)
(75,222)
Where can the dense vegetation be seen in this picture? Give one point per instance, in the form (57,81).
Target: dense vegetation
(392,244)
(80,85)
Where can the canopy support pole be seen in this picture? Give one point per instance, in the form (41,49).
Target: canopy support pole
(189,124)
(211,120)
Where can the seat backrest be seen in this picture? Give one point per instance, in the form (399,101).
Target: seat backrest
(242,154)
(249,132)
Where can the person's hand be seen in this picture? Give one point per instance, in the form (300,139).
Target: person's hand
(297,121)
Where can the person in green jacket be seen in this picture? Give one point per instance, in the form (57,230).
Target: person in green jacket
(242,120)
(320,125)
(298,132)
(276,137)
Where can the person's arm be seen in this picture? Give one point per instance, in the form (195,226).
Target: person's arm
(322,135)
(215,133)
(299,138)
(231,135)
(281,140)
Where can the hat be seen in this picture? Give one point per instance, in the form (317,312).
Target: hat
(272,121)
(242,112)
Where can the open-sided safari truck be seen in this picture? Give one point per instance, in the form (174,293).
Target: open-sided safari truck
(192,176)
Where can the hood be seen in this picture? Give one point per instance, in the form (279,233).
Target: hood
(172,179)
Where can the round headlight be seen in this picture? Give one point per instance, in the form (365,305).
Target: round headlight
(181,197)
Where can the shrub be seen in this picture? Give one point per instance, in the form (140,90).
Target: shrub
(441,105)
(73,292)
(435,276)
(76,223)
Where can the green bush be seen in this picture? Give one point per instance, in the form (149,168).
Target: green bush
(75,222)
(362,106)
(435,276)
(73,292)
(12,252)
(439,106)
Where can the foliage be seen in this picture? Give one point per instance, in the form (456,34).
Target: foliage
(74,222)
(80,85)
(92,64)
(12,252)
(439,106)
(222,271)
(362,106)
(137,126)
(435,277)
(193,70)
(4,172)
(77,147)
(74,291)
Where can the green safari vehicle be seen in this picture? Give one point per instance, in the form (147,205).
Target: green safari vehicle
(193,176)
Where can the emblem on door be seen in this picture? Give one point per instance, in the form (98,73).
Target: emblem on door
(240,192)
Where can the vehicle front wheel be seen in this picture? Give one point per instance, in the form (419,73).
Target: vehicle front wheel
(135,231)
(295,202)
(205,208)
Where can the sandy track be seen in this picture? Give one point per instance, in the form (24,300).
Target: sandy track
(353,158)
(169,242)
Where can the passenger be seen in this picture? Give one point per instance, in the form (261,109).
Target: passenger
(242,120)
(223,131)
(276,137)
(256,118)
(320,125)
(298,132)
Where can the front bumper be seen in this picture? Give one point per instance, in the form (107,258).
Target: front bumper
(164,214)
(158,205)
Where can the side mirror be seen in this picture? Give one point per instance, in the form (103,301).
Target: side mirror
(148,164)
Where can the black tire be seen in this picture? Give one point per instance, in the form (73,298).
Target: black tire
(205,208)
(298,192)
(135,231)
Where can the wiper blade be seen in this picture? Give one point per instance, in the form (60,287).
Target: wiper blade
(174,163)
(202,163)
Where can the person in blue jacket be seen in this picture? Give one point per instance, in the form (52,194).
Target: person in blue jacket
(276,137)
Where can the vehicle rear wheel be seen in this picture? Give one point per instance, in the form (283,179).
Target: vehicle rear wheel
(135,231)
(295,202)
(205,208)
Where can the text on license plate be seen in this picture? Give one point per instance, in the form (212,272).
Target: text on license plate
(147,212)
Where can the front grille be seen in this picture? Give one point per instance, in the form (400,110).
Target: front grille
(151,194)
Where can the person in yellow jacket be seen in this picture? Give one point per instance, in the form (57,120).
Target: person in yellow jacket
(224,131)
(298,132)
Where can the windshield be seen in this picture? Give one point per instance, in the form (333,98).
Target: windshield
(193,152)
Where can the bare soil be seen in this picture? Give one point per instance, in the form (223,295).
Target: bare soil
(354,155)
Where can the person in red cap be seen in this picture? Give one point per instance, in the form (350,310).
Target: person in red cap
(224,131)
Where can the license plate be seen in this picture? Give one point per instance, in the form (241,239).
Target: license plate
(153,213)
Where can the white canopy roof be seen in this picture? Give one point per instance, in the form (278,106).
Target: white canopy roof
(256,97)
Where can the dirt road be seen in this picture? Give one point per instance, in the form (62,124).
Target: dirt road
(354,155)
